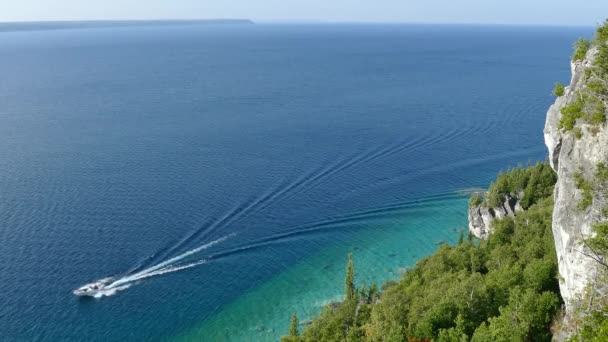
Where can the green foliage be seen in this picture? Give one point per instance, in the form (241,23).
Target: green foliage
(571,113)
(599,242)
(595,109)
(594,328)
(601,60)
(475,200)
(293,326)
(502,289)
(587,187)
(350,291)
(585,106)
(601,172)
(590,187)
(580,49)
(536,182)
(293,330)
(335,323)
(527,317)
(601,41)
(597,86)
(601,35)
(454,334)
(559,89)
(588,103)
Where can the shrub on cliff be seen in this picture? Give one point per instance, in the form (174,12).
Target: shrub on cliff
(597,86)
(570,113)
(475,200)
(587,106)
(587,187)
(601,41)
(580,49)
(559,89)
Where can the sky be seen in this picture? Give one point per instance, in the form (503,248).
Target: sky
(543,12)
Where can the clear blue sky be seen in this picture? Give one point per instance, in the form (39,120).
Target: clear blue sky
(558,12)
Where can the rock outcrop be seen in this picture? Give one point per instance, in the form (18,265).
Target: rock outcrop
(569,156)
(481,216)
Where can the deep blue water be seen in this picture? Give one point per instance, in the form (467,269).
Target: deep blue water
(123,147)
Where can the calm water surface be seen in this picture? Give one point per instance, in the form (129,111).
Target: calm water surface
(222,173)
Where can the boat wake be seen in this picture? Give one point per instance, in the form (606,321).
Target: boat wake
(111,286)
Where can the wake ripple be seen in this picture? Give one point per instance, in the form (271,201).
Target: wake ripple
(366,215)
(168,266)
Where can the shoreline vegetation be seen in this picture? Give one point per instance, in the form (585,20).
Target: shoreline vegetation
(474,290)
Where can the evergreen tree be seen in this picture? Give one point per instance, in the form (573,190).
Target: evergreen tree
(293,326)
(349,283)
(363,293)
(461,236)
(373,292)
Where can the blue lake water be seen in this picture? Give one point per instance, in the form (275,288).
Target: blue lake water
(252,158)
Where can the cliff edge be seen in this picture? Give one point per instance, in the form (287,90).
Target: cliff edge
(574,154)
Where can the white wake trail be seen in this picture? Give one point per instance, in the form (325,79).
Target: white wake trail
(169,269)
(110,291)
(166,266)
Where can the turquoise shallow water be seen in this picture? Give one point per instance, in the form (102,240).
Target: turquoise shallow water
(224,172)
(381,251)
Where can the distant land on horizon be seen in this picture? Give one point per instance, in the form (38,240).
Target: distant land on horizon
(58,25)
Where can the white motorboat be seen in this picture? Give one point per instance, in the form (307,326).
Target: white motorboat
(93,289)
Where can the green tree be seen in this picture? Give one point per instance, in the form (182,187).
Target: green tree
(580,49)
(372,293)
(454,334)
(559,89)
(293,326)
(475,200)
(350,291)
(598,244)
(527,317)
(293,330)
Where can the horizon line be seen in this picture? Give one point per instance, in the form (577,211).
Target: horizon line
(288,21)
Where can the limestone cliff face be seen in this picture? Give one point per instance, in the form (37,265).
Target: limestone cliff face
(481,216)
(569,156)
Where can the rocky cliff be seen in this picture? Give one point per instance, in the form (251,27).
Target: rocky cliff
(574,155)
(481,216)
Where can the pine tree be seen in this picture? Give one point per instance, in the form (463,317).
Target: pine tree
(349,284)
(373,292)
(461,237)
(293,326)
(363,293)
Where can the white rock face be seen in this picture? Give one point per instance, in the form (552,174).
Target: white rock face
(481,217)
(569,156)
